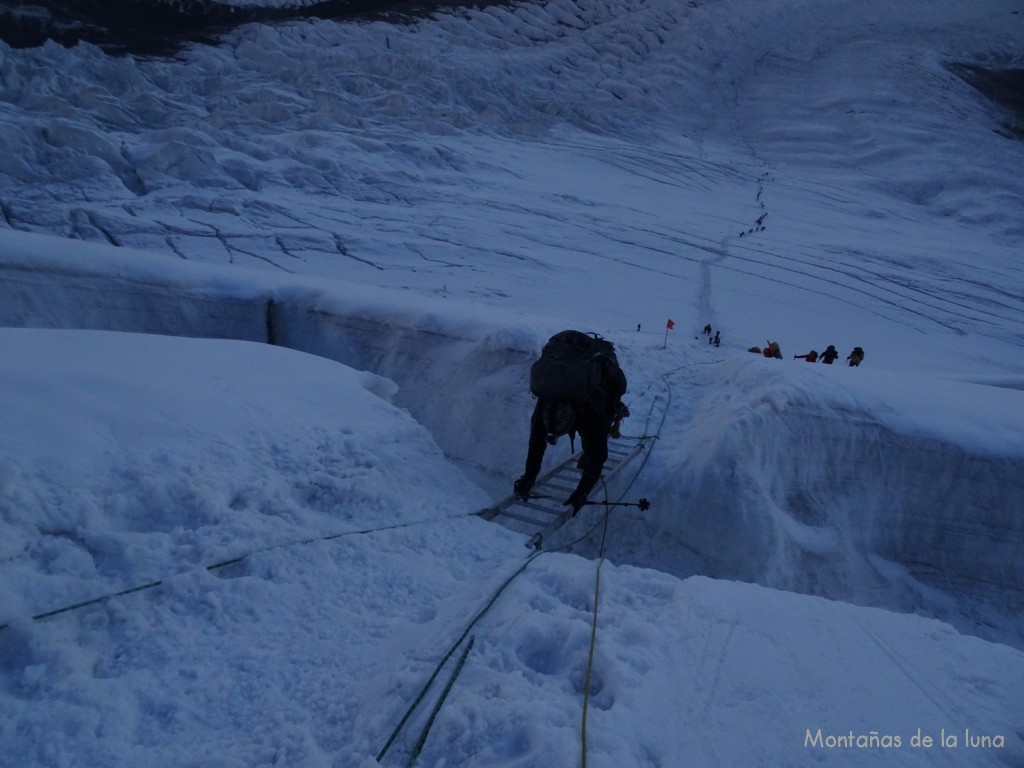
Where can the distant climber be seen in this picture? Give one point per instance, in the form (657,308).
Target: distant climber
(718,338)
(707,329)
(830,355)
(579,387)
(855,357)
(773,350)
(810,357)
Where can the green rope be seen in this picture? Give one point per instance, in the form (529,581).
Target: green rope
(456,644)
(233,561)
(440,702)
(122,593)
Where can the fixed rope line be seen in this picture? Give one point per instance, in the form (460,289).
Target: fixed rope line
(418,748)
(590,666)
(232,561)
(451,651)
(593,640)
(122,593)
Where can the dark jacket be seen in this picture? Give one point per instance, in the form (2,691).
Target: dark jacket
(829,355)
(593,422)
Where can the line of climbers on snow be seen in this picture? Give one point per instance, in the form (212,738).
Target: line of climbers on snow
(829,356)
(772,349)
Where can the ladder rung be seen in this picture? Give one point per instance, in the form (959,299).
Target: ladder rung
(524,518)
(541,508)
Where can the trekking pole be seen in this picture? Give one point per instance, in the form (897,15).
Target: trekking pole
(642,504)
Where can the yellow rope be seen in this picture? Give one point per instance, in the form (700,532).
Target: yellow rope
(593,635)
(590,661)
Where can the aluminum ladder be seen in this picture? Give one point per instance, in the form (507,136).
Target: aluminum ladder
(543,513)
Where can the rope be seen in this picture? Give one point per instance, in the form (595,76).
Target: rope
(440,702)
(601,560)
(232,561)
(456,644)
(593,641)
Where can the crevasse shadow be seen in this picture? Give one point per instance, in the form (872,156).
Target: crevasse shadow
(1004,86)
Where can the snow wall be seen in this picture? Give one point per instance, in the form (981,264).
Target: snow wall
(786,477)
(784,488)
(458,372)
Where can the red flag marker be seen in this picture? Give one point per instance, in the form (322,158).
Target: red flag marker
(668,327)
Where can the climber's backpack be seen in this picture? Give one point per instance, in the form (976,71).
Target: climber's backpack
(570,367)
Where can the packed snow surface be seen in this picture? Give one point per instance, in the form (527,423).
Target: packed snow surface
(269,308)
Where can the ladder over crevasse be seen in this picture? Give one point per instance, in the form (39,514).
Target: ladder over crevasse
(544,513)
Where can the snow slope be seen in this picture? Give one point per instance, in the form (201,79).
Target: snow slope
(316,557)
(257,539)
